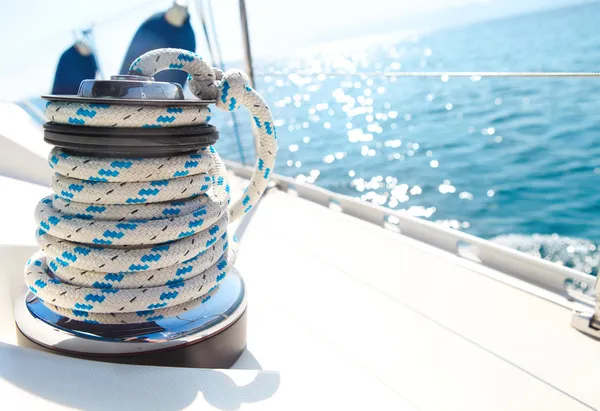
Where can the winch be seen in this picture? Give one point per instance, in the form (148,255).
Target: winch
(136,264)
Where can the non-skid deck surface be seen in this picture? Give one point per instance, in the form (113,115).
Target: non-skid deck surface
(426,324)
(342,315)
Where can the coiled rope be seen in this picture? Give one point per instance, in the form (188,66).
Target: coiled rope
(134,240)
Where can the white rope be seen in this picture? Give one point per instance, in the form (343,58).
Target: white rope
(118,115)
(133,240)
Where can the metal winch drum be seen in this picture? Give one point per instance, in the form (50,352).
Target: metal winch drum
(208,334)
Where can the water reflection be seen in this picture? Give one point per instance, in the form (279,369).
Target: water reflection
(490,156)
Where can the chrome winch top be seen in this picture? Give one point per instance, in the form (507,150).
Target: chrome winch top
(130,89)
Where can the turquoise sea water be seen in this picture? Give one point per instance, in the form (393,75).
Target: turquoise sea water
(511,159)
(515,160)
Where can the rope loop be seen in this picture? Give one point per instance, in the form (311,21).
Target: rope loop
(203,80)
(231,91)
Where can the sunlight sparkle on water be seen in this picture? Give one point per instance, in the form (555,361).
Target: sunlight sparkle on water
(399,193)
(454,224)
(447,188)
(357,135)
(356,111)
(416,190)
(393,143)
(367,152)
(395,156)
(374,128)
(420,211)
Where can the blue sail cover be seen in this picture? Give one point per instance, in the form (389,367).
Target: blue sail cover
(157,32)
(72,69)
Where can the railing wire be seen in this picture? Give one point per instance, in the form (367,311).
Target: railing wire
(442,74)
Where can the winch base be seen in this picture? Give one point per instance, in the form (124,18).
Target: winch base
(212,335)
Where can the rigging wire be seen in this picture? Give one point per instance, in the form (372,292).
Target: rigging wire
(442,74)
(220,64)
(214,33)
(204,28)
(89,37)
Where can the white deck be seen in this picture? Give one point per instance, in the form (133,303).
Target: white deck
(343,314)
(434,328)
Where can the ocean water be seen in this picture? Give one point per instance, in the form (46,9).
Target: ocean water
(515,160)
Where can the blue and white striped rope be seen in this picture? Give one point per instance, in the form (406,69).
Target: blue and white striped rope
(134,240)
